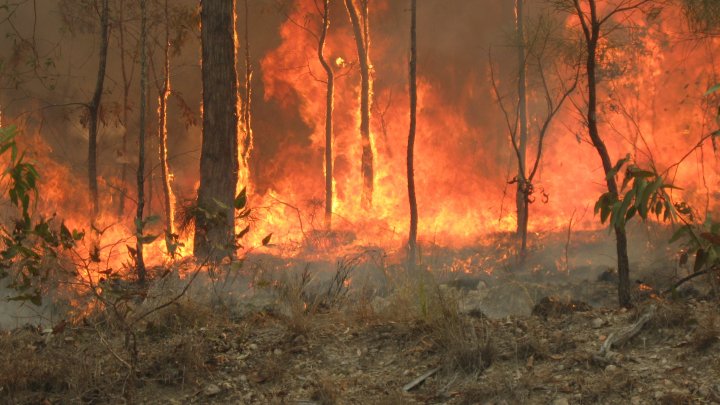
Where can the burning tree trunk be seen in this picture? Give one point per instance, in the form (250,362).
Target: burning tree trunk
(169,198)
(247,110)
(126,108)
(362,40)
(94,109)
(592,25)
(215,221)
(328,116)
(140,261)
(412,239)
(521,196)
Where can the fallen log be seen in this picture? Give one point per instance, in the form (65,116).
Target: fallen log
(620,337)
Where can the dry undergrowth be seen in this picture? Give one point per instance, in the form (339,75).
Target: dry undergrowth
(362,347)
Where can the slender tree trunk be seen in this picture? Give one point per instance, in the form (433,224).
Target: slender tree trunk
(412,239)
(215,234)
(140,260)
(591,30)
(169,197)
(247,110)
(362,41)
(521,196)
(328,116)
(94,109)
(126,107)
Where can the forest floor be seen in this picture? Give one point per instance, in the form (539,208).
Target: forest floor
(285,344)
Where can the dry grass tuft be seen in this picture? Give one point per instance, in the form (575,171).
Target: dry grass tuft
(326,392)
(670,315)
(180,359)
(675,398)
(465,342)
(601,387)
(707,332)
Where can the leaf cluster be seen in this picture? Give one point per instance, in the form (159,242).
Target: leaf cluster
(643,193)
(26,247)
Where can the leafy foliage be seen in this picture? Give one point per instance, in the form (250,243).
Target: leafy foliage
(699,240)
(642,193)
(27,246)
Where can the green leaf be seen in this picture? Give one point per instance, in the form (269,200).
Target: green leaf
(152,219)
(241,199)
(145,239)
(644,200)
(631,213)
(244,232)
(712,89)
(619,215)
(683,230)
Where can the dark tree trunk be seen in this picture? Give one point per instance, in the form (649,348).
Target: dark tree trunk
(362,41)
(215,234)
(591,29)
(412,239)
(94,109)
(140,260)
(168,197)
(521,196)
(328,116)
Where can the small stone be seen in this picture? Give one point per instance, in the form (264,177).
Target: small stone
(242,378)
(253,346)
(610,368)
(212,390)
(277,352)
(597,323)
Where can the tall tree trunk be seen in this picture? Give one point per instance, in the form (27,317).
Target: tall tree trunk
(328,116)
(362,41)
(247,110)
(169,197)
(215,234)
(521,196)
(126,108)
(412,239)
(591,29)
(140,260)
(94,109)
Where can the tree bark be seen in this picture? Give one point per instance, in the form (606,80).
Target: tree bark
(591,26)
(521,196)
(362,41)
(94,109)
(412,238)
(215,233)
(328,116)
(168,196)
(140,261)
(122,192)
(247,110)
